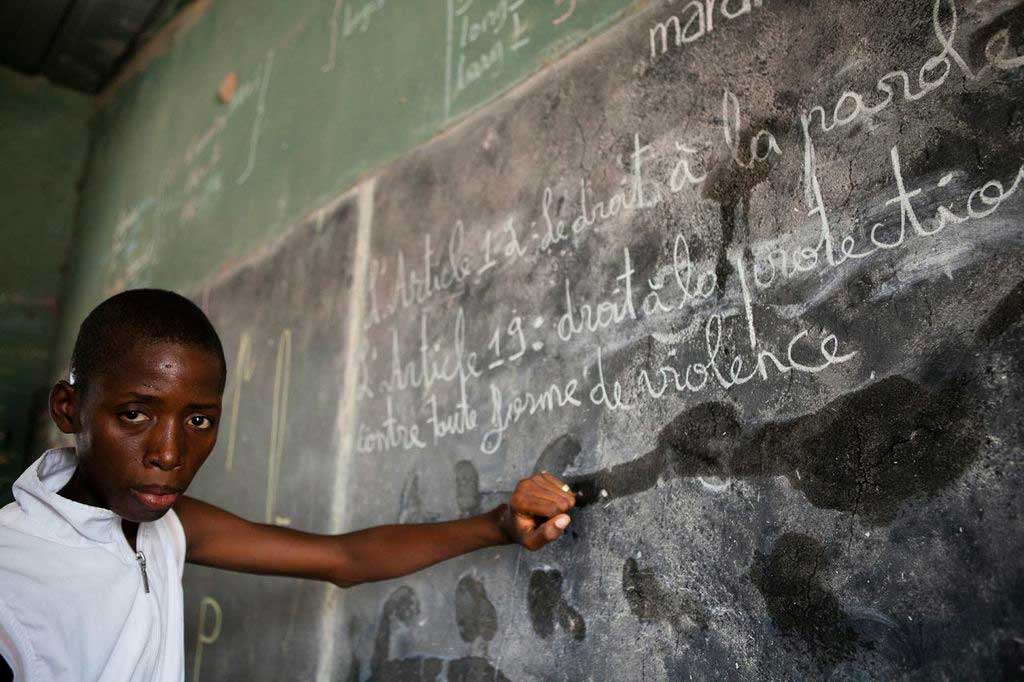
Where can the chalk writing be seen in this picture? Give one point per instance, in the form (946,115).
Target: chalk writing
(570,8)
(514,332)
(850,106)
(505,247)
(332,49)
(695,21)
(429,366)
(696,376)
(359,19)
(505,411)
(206,633)
(390,434)
(590,318)
(278,421)
(128,258)
(631,196)
(244,368)
(261,110)
(780,264)
(481,36)
(762,144)
(412,285)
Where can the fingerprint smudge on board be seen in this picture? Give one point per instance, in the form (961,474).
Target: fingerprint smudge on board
(790,581)
(467,487)
(652,602)
(474,612)
(472,669)
(559,455)
(547,607)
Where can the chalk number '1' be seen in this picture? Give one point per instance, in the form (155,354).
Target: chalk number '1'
(278,418)
(245,367)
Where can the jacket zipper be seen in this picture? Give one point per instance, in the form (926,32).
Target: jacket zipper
(142,567)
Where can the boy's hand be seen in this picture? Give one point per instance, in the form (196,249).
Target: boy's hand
(537,511)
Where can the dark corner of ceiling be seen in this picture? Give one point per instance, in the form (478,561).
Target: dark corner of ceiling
(79,44)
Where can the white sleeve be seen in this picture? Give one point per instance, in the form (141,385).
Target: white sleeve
(15,647)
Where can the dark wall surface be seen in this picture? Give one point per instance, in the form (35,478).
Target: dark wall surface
(45,137)
(778,348)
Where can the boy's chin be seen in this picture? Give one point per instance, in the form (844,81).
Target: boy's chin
(136,512)
(146,516)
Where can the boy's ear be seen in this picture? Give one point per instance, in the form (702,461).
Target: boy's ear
(64,407)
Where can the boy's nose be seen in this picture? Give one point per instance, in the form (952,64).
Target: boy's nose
(165,447)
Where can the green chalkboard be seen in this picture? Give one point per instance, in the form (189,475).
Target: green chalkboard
(180,182)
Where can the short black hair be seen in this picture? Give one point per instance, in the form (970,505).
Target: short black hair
(139,316)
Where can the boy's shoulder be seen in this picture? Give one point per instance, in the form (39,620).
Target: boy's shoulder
(19,528)
(21,542)
(14,524)
(32,581)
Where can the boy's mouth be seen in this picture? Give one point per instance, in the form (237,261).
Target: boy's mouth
(156,497)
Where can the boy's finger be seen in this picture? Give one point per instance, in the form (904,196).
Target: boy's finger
(557,497)
(557,485)
(551,479)
(538,503)
(550,530)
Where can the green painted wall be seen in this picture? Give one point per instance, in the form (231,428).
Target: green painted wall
(43,147)
(180,184)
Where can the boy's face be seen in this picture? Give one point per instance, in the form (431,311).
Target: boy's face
(144,427)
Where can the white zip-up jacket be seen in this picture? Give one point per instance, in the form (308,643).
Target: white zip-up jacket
(73,595)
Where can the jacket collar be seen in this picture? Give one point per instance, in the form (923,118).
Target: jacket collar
(59,518)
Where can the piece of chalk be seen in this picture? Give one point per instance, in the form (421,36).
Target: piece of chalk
(565,488)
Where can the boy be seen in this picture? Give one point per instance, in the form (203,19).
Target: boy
(92,550)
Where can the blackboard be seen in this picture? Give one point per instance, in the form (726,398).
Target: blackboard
(750,275)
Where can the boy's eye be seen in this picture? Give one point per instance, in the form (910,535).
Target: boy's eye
(134,416)
(200,422)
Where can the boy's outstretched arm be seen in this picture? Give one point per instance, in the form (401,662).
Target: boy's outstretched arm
(535,515)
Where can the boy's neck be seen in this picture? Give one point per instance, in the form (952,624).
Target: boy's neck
(77,490)
(131,531)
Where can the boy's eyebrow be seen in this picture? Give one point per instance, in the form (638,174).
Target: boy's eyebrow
(147,398)
(142,397)
(203,406)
